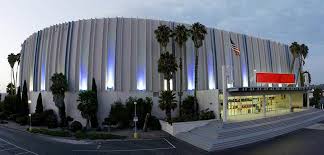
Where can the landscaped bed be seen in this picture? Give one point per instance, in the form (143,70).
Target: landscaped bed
(79,134)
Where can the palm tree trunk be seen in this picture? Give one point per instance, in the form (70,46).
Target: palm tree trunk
(17,74)
(88,124)
(299,75)
(180,91)
(168,114)
(13,78)
(292,65)
(196,82)
(168,84)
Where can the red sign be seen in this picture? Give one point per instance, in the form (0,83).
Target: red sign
(275,78)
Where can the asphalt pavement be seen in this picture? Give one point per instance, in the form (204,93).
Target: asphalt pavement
(14,142)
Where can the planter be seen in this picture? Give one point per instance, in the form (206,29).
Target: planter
(179,127)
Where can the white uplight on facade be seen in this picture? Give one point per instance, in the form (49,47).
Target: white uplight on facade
(165,84)
(141,84)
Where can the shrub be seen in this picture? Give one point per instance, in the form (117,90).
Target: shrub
(3,116)
(88,105)
(94,119)
(188,106)
(50,119)
(143,107)
(118,115)
(106,121)
(23,107)
(69,119)
(75,126)
(9,104)
(206,114)
(167,103)
(22,120)
(13,117)
(154,123)
(96,135)
(37,119)
(39,105)
(59,133)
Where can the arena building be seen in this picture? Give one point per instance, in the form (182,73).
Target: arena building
(121,54)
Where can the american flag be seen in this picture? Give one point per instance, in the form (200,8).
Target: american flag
(235,48)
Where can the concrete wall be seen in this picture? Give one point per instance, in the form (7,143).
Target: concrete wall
(208,99)
(107,98)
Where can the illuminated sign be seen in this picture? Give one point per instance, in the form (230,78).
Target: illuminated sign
(263,77)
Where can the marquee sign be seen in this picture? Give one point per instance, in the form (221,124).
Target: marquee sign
(264,77)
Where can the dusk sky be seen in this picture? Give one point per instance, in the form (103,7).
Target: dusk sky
(280,20)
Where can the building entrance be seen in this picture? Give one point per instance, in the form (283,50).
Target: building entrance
(245,105)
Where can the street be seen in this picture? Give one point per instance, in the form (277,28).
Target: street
(304,141)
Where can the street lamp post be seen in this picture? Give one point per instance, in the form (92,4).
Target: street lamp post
(135,121)
(30,125)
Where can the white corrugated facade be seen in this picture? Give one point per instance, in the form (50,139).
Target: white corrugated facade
(122,54)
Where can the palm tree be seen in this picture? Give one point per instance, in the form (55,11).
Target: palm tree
(12,60)
(18,63)
(295,50)
(198,32)
(162,35)
(302,56)
(167,65)
(181,34)
(167,102)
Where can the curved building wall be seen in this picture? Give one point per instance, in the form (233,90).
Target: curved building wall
(122,54)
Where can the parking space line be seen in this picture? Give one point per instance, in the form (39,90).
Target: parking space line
(15,146)
(169,143)
(21,153)
(132,150)
(8,149)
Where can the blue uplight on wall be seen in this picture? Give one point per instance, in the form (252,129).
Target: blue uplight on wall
(83,78)
(210,67)
(43,71)
(141,84)
(244,75)
(191,77)
(110,73)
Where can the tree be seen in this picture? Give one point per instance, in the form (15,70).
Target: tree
(167,65)
(294,49)
(317,94)
(198,32)
(24,101)
(94,119)
(302,56)
(59,87)
(167,103)
(87,105)
(181,35)
(18,63)
(12,59)
(11,89)
(39,105)
(162,35)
